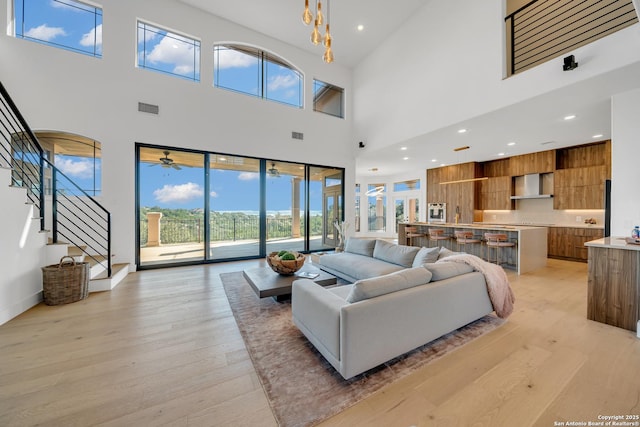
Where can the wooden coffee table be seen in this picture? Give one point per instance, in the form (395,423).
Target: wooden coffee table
(267,283)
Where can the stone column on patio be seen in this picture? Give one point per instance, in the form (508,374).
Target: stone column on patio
(411,214)
(295,208)
(379,213)
(153,228)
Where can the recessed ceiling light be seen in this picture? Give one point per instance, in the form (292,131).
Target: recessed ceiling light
(598,135)
(500,154)
(443,164)
(405,158)
(434,160)
(511,143)
(360,27)
(462,130)
(403,148)
(570,117)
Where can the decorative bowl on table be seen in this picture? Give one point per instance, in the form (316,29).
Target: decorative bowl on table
(285,262)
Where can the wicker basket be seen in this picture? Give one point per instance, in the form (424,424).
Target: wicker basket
(65,282)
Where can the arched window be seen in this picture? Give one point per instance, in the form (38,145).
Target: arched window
(255,72)
(78,157)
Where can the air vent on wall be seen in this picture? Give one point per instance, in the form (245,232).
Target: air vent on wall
(297,135)
(148,108)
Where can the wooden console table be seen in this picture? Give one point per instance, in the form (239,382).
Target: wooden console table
(614,282)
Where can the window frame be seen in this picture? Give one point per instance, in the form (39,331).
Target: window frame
(328,87)
(168,32)
(18,30)
(264,58)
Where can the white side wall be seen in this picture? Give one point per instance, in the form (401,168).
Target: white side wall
(625,158)
(97,98)
(21,252)
(446,65)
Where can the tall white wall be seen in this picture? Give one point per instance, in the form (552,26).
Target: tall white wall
(625,158)
(21,251)
(98,98)
(446,65)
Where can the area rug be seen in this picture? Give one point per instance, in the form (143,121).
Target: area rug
(302,387)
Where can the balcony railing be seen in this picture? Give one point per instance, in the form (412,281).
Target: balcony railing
(176,231)
(545,29)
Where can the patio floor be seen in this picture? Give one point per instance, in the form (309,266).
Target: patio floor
(166,254)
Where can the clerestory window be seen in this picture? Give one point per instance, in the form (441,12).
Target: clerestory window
(328,99)
(66,24)
(167,52)
(258,73)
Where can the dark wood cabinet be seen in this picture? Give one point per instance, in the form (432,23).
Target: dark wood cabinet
(613,286)
(568,242)
(540,162)
(579,188)
(495,193)
(447,185)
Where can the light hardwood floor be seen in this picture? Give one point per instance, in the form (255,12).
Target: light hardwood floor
(163,349)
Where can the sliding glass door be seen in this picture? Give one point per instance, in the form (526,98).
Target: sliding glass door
(171,199)
(196,207)
(234,207)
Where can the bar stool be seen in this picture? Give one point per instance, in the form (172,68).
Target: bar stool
(437,235)
(410,233)
(497,241)
(464,238)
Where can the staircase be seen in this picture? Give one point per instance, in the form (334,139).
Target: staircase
(69,221)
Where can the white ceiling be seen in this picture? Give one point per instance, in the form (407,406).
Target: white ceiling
(534,125)
(282,19)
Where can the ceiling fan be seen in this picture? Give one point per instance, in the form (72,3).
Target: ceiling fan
(166,162)
(273,172)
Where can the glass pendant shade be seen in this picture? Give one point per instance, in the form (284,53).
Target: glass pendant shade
(319,15)
(327,37)
(315,34)
(328,54)
(307,17)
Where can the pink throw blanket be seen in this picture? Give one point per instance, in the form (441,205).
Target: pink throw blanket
(498,286)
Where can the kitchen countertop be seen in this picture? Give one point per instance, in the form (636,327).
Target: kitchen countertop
(613,243)
(578,225)
(506,227)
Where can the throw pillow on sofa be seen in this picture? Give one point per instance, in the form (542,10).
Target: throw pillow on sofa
(446,270)
(381,285)
(360,246)
(426,255)
(444,252)
(395,254)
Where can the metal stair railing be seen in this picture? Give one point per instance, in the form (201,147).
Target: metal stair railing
(75,216)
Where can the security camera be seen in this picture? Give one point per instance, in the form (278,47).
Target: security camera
(361,144)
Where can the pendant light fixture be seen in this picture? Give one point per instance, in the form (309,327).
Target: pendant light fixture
(318,21)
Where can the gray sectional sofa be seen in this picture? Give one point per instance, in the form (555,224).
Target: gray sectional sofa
(399,301)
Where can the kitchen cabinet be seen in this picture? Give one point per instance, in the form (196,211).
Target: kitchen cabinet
(568,242)
(579,188)
(442,187)
(614,283)
(540,162)
(495,193)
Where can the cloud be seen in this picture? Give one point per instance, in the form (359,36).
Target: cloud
(45,33)
(248,176)
(213,194)
(282,81)
(93,36)
(230,58)
(77,169)
(174,49)
(181,193)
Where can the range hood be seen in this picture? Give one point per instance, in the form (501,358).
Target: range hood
(531,188)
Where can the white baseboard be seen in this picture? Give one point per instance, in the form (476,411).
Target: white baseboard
(20,307)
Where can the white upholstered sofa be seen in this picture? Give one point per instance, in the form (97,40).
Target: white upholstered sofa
(360,326)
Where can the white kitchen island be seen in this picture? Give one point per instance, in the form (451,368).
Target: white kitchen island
(529,253)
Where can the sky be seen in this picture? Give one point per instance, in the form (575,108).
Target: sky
(77,26)
(230,190)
